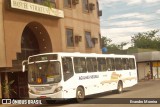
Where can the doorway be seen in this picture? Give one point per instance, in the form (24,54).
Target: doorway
(35,40)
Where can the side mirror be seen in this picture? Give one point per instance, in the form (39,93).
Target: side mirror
(24,65)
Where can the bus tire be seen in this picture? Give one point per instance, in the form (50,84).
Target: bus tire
(80,94)
(119,87)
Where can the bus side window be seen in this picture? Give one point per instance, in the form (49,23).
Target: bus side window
(101,64)
(94,61)
(118,63)
(80,65)
(125,65)
(91,64)
(131,63)
(110,64)
(67,68)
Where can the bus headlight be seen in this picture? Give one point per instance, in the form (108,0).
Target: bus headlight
(58,89)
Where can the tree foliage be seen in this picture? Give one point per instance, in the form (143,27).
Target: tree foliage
(48,3)
(146,40)
(106,41)
(111,47)
(6,88)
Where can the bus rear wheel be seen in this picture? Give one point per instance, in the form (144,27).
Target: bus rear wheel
(80,94)
(120,87)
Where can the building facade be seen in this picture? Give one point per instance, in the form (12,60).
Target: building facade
(148,63)
(29,27)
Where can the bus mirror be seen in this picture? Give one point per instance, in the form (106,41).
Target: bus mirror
(24,63)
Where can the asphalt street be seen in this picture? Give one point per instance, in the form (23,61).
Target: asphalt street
(145,90)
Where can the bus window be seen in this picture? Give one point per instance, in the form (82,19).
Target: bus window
(91,64)
(118,63)
(101,64)
(131,63)
(110,64)
(125,64)
(67,68)
(80,65)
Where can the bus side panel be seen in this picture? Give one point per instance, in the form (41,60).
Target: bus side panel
(130,78)
(69,88)
(89,81)
(106,82)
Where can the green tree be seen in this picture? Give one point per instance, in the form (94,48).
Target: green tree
(146,40)
(111,47)
(106,41)
(6,88)
(48,3)
(122,45)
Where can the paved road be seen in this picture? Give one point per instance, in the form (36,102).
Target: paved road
(145,89)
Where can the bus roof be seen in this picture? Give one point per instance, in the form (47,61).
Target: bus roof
(76,54)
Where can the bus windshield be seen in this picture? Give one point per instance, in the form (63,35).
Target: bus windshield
(44,72)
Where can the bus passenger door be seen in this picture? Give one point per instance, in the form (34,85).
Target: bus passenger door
(67,68)
(67,77)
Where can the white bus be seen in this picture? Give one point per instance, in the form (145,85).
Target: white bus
(76,75)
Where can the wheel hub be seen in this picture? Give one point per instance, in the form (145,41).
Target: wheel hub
(80,94)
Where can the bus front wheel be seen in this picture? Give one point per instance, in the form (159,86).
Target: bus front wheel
(80,94)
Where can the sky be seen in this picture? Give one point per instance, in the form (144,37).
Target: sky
(122,19)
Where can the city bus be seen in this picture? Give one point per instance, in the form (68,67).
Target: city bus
(76,75)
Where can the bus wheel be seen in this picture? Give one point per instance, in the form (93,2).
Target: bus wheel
(120,87)
(80,94)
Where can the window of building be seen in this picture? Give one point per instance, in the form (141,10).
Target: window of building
(67,3)
(101,64)
(110,64)
(118,63)
(67,68)
(80,65)
(89,43)
(69,34)
(131,63)
(85,5)
(91,64)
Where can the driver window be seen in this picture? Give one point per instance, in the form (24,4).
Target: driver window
(67,68)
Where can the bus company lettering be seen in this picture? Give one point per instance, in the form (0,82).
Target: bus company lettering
(88,77)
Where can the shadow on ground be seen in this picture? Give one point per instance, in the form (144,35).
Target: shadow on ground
(91,99)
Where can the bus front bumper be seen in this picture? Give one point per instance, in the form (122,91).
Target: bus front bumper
(58,95)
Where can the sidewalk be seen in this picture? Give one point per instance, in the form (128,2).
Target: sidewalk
(143,80)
